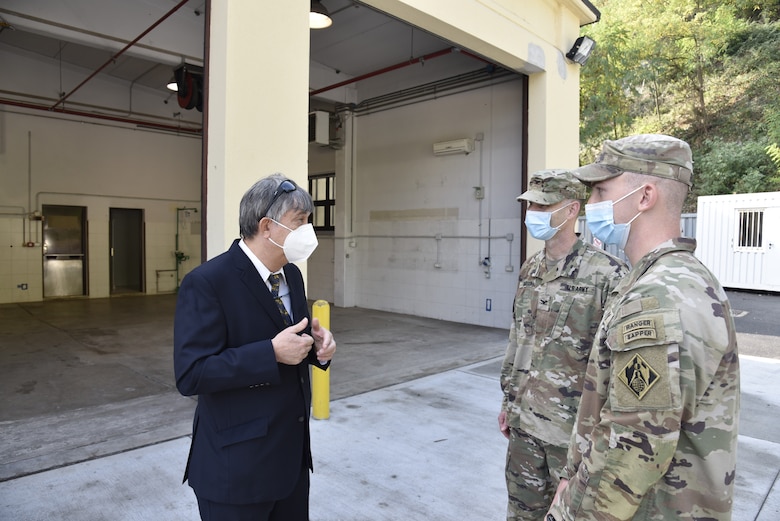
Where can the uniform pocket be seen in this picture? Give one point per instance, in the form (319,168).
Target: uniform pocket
(561,326)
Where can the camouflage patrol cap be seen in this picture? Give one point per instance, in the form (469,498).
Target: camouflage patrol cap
(651,154)
(552,186)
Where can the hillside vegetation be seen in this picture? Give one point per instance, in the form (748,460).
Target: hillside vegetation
(706,71)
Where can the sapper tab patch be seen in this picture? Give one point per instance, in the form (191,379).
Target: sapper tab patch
(641,328)
(638,376)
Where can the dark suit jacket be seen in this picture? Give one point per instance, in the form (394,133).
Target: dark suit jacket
(250,437)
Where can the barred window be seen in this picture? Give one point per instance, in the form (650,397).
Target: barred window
(322,188)
(751,229)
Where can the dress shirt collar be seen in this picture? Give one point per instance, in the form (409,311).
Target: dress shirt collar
(259,266)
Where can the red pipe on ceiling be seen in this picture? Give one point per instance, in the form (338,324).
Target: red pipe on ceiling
(430,56)
(148,124)
(382,71)
(114,57)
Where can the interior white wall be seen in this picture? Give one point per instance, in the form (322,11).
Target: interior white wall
(52,158)
(21,269)
(49,159)
(320,279)
(405,197)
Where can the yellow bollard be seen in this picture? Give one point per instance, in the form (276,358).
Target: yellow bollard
(320,380)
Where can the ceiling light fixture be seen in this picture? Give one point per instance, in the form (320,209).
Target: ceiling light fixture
(319,17)
(172,85)
(580,51)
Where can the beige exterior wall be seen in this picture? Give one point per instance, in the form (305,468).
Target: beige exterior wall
(244,145)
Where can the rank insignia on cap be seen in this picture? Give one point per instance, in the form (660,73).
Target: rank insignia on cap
(638,376)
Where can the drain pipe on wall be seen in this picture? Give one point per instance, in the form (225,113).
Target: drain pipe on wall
(28,240)
(486,260)
(479,194)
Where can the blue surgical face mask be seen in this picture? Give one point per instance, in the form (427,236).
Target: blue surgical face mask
(538,224)
(601,222)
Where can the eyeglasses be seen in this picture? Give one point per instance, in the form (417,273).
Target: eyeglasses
(285,187)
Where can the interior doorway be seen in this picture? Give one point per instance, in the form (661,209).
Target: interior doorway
(126,240)
(64,250)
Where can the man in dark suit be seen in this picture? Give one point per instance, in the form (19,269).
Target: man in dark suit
(246,354)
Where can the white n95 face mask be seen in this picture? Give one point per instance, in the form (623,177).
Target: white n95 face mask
(300,242)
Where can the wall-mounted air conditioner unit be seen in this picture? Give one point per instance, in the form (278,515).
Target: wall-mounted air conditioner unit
(457,146)
(319,127)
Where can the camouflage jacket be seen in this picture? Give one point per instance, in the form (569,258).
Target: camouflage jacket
(556,314)
(656,432)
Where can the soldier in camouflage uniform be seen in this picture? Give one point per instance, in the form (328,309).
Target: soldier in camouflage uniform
(656,432)
(559,302)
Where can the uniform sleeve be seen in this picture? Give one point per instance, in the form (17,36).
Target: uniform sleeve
(635,434)
(517,356)
(507,368)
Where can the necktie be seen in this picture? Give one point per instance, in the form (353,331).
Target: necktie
(275,279)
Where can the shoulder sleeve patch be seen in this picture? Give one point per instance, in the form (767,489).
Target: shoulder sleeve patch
(642,380)
(641,346)
(638,375)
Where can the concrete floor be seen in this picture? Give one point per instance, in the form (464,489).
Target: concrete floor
(94,429)
(85,378)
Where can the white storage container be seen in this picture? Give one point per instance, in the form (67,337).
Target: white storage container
(738,238)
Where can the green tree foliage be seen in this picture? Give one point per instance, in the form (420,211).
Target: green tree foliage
(703,70)
(733,167)
(772,118)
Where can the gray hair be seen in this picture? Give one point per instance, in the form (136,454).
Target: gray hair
(254,204)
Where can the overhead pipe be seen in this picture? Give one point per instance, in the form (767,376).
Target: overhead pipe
(390,68)
(114,57)
(401,65)
(141,123)
(449,86)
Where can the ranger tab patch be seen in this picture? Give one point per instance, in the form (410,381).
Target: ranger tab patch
(638,376)
(639,329)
